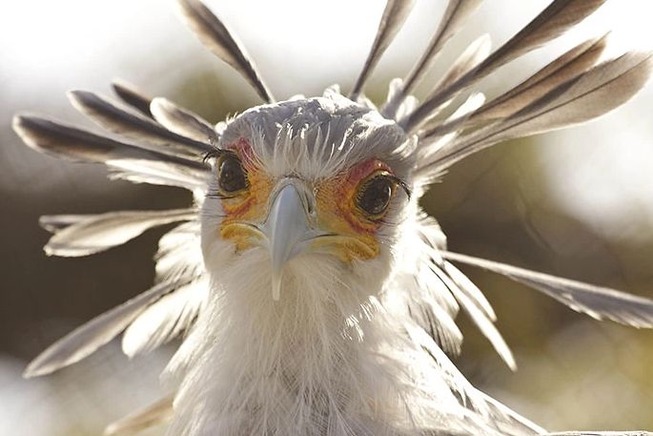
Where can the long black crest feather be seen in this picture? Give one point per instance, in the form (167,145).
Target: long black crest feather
(131,124)
(454,15)
(586,96)
(81,145)
(394,16)
(549,24)
(217,38)
(568,66)
(132,96)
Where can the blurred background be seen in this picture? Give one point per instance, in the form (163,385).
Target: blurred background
(577,203)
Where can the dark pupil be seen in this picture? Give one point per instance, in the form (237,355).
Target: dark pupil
(232,177)
(375,195)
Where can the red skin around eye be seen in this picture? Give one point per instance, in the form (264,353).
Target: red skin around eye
(251,203)
(243,149)
(335,203)
(365,168)
(337,196)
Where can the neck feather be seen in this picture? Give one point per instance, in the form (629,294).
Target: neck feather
(309,363)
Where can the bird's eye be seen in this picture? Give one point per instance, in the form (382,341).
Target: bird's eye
(374,194)
(231,174)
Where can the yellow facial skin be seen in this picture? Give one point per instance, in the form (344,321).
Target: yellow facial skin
(248,206)
(338,214)
(350,234)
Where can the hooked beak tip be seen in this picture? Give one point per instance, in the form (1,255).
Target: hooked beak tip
(276,286)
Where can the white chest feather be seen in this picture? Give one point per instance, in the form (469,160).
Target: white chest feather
(306,364)
(309,364)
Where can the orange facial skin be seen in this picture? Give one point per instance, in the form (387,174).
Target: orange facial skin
(249,205)
(351,235)
(338,214)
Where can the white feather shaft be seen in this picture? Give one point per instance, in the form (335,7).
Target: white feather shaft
(595,301)
(62,140)
(557,18)
(132,96)
(454,14)
(182,121)
(394,16)
(165,319)
(588,95)
(568,66)
(480,318)
(87,338)
(90,234)
(154,414)
(125,121)
(217,38)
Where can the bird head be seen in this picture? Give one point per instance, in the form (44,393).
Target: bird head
(308,188)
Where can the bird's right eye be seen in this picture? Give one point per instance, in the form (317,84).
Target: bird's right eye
(374,195)
(232,177)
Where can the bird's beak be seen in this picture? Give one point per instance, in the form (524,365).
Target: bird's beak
(287,225)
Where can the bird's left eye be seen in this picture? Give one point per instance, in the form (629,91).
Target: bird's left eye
(374,195)
(231,174)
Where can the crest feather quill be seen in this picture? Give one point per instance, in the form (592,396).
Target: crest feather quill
(394,17)
(217,38)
